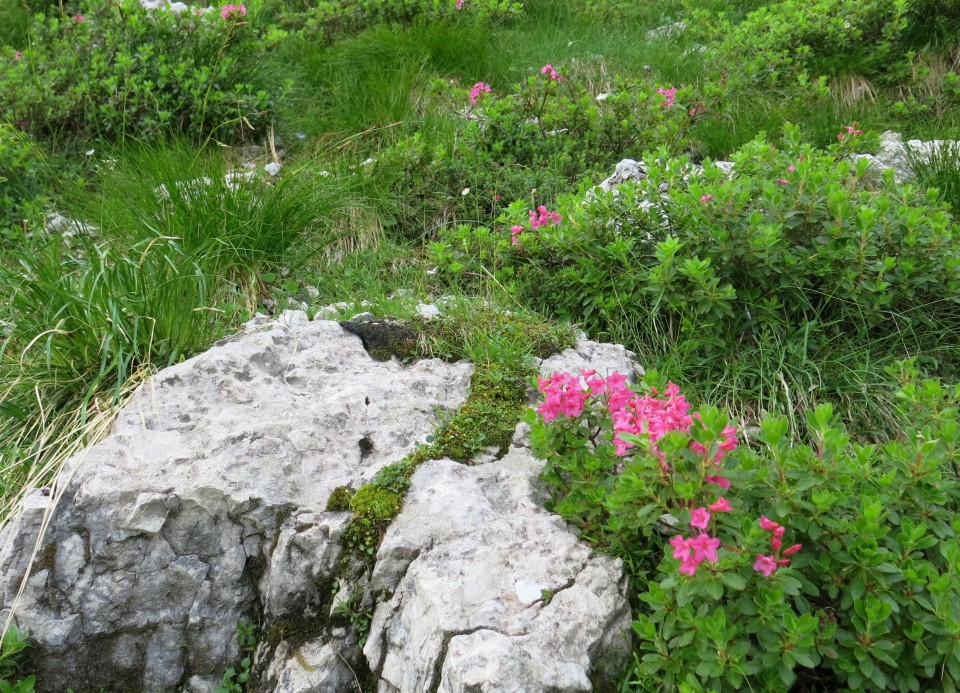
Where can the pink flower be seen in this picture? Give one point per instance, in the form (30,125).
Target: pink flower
(851,130)
(668,94)
(232,11)
(706,198)
(721,481)
(791,169)
(478,89)
(767,524)
(551,73)
(563,396)
(78,18)
(704,548)
(515,235)
(544,218)
(783,181)
(693,552)
(792,550)
(699,518)
(17,55)
(459,4)
(680,548)
(775,543)
(765,564)
(721,506)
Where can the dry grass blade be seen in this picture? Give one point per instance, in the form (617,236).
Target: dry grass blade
(59,440)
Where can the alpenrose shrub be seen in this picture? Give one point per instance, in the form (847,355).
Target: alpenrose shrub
(782,566)
(338,18)
(796,242)
(540,137)
(116,70)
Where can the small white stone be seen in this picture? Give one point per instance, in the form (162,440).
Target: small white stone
(427,311)
(293,317)
(273,168)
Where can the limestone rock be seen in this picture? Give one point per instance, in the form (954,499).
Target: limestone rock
(205,505)
(627,170)
(896,154)
(490,592)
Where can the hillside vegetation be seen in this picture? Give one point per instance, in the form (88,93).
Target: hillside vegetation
(165,175)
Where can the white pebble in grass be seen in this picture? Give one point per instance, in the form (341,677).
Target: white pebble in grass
(273,168)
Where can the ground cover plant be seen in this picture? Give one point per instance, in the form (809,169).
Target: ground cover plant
(807,307)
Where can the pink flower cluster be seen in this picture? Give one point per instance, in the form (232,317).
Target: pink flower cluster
(551,73)
(668,94)
(693,552)
(478,89)
(767,565)
(850,130)
(232,11)
(17,55)
(544,219)
(563,395)
(650,415)
(539,217)
(459,4)
(78,18)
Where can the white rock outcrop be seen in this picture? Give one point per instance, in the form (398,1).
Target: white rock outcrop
(206,508)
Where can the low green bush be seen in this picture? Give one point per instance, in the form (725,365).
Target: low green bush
(24,184)
(797,253)
(782,566)
(536,139)
(115,71)
(336,19)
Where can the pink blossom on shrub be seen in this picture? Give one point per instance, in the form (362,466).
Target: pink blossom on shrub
(706,198)
(792,550)
(721,481)
(699,518)
(692,552)
(563,396)
(545,217)
(767,524)
(551,73)
(668,94)
(704,548)
(78,18)
(17,55)
(649,415)
(478,89)
(765,564)
(515,234)
(850,130)
(232,11)
(459,4)
(722,505)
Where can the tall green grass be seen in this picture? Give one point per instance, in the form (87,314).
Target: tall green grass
(171,260)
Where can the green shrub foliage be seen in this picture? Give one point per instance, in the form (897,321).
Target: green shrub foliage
(24,181)
(820,566)
(115,70)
